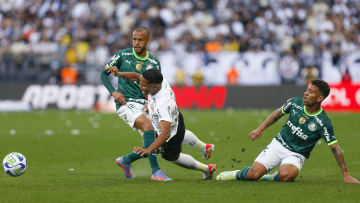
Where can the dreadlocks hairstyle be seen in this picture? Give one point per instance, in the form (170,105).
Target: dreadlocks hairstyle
(323,87)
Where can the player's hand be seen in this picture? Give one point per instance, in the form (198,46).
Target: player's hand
(112,69)
(349,179)
(255,134)
(141,151)
(145,108)
(119,97)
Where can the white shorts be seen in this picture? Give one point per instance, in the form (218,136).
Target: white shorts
(275,153)
(130,111)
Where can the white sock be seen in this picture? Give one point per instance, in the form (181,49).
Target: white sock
(193,141)
(187,161)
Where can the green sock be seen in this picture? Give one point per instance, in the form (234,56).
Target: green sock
(149,137)
(242,174)
(128,159)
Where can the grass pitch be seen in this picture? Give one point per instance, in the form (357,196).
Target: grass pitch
(71,158)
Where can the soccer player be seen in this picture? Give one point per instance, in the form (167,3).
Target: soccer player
(129,99)
(307,123)
(169,124)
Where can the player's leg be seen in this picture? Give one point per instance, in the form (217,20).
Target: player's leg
(290,167)
(133,115)
(192,140)
(269,158)
(171,151)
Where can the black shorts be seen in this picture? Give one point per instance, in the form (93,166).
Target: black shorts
(171,150)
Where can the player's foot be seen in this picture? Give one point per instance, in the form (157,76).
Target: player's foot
(159,175)
(207,151)
(227,175)
(126,167)
(209,174)
(269,177)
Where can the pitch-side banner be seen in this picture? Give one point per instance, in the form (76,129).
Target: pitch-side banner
(343,97)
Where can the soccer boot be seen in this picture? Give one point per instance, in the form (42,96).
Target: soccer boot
(207,151)
(210,172)
(159,175)
(227,175)
(126,167)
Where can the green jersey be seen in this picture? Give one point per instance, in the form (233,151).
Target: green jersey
(127,60)
(302,129)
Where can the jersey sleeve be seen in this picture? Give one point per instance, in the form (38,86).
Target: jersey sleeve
(115,60)
(286,108)
(327,133)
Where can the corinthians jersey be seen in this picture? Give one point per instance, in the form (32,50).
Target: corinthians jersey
(127,60)
(302,129)
(162,107)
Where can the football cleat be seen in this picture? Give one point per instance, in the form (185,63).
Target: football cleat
(269,177)
(207,152)
(126,167)
(227,175)
(159,175)
(211,170)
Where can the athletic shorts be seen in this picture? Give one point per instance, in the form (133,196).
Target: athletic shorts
(171,149)
(130,111)
(275,154)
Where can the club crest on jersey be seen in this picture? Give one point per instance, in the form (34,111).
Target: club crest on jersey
(139,65)
(302,120)
(312,127)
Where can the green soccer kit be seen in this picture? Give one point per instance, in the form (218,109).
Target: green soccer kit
(127,60)
(302,129)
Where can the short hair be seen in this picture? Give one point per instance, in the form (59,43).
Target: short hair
(153,76)
(143,29)
(323,87)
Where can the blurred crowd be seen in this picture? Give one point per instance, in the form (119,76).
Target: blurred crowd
(47,41)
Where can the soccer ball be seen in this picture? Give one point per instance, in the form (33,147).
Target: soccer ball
(14,164)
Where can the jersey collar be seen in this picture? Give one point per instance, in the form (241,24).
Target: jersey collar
(139,57)
(313,114)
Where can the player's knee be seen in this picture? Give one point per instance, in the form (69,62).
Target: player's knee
(168,156)
(286,176)
(147,126)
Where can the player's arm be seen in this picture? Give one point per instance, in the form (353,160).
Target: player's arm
(159,141)
(271,119)
(335,149)
(104,77)
(129,75)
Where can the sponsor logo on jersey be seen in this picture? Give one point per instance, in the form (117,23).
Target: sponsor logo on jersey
(114,59)
(297,106)
(312,127)
(152,61)
(127,54)
(127,61)
(302,120)
(139,65)
(296,130)
(319,121)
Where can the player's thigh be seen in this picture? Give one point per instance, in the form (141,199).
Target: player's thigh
(291,166)
(130,112)
(270,157)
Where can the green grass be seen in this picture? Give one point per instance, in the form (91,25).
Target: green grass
(88,142)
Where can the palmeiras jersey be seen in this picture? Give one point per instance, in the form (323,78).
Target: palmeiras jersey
(302,130)
(127,60)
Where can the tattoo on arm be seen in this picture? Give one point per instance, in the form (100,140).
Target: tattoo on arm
(339,159)
(273,118)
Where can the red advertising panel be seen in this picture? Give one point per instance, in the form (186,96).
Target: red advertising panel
(343,97)
(188,97)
